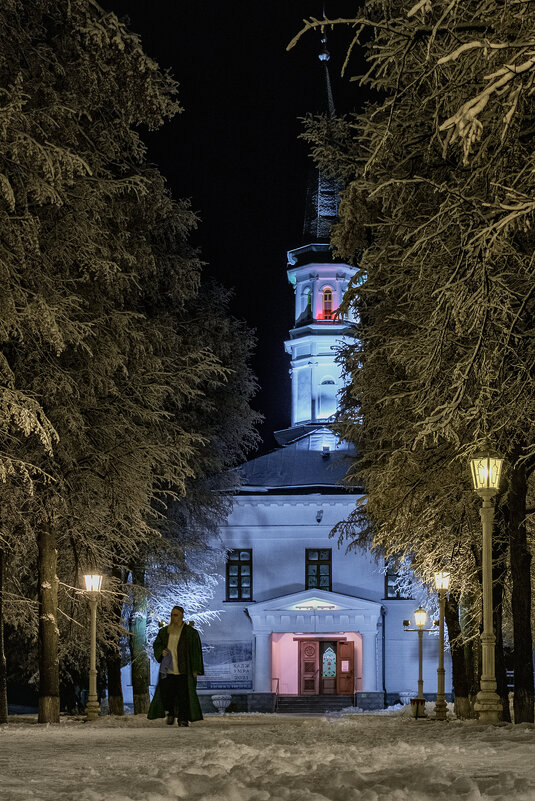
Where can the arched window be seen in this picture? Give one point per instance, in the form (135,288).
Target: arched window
(327,398)
(327,303)
(306,302)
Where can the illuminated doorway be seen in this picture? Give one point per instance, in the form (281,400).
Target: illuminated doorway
(326,667)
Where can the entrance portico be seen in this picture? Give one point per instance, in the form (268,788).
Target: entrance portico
(281,624)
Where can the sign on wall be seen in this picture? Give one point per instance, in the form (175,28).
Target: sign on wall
(227,666)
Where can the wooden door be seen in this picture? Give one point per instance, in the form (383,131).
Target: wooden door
(309,667)
(328,668)
(345,672)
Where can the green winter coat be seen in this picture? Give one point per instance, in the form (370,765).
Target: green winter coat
(189,662)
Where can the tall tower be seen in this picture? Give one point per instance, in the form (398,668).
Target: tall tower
(319,283)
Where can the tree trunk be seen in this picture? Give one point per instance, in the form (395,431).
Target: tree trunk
(515,517)
(498,573)
(48,627)
(461,702)
(471,648)
(3,665)
(138,644)
(115,689)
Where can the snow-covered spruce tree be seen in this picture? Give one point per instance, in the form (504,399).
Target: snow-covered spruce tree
(179,569)
(439,180)
(95,290)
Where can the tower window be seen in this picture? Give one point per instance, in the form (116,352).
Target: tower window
(327,303)
(318,569)
(240,574)
(327,400)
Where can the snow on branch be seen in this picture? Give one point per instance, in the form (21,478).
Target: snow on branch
(422,5)
(486,45)
(466,126)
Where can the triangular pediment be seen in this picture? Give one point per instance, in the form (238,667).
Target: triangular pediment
(315,601)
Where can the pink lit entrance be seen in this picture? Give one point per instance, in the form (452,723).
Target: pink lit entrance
(317,664)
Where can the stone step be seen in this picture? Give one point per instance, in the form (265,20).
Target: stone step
(313,703)
(314,698)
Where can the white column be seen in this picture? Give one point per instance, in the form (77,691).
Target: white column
(314,290)
(293,376)
(339,294)
(262,665)
(369,661)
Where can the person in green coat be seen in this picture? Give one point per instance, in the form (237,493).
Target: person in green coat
(178,650)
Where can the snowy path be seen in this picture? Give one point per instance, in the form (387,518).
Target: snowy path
(267,758)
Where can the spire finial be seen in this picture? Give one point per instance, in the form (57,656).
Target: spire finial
(322,193)
(324,55)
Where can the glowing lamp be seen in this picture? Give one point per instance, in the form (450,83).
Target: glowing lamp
(486,470)
(420,617)
(93,582)
(442,580)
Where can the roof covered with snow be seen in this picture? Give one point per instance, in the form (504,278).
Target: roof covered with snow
(291,469)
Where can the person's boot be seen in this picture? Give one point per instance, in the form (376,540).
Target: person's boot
(183,723)
(170,720)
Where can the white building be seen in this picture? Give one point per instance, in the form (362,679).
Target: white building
(301,617)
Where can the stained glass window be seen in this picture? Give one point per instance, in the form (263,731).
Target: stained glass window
(329,663)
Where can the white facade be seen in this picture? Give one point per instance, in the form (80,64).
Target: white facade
(279,529)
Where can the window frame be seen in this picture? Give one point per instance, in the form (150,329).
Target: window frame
(319,561)
(239,562)
(327,291)
(397,596)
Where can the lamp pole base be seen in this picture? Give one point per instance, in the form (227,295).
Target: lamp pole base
(441,709)
(488,706)
(92,709)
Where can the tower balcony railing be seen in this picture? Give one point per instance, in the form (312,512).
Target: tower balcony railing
(323,318)
(330,317)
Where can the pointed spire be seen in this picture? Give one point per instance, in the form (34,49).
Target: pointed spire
(325,57)
(322,196)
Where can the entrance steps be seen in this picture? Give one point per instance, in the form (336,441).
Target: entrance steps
(312,704)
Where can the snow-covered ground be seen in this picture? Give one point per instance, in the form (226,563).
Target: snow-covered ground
(354,757)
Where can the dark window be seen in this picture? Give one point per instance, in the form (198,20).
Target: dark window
(240,574)
(391,589)
(318,569)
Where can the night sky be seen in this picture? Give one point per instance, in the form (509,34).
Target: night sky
(235,152)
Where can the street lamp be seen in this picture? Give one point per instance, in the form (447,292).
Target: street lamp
(486,469)
(442,583)
(93,583)
(420,619)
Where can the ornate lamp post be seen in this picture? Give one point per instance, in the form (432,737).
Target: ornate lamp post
(93,583)
(420,619)
(486,469)
(442,583)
